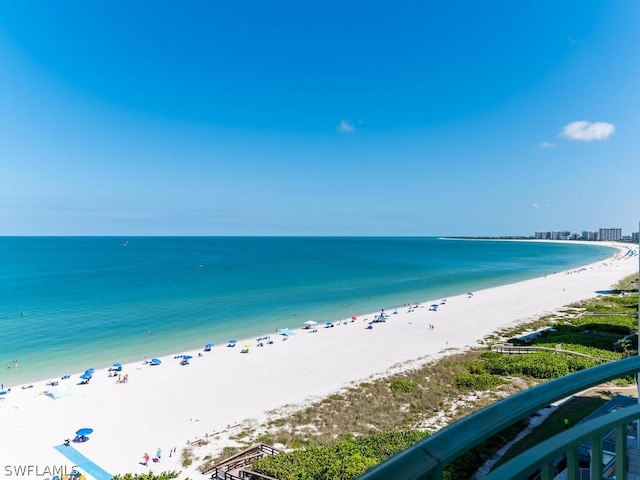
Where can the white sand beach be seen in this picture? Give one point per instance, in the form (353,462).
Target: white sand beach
(168,405)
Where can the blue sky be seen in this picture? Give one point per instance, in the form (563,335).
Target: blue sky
(319,117)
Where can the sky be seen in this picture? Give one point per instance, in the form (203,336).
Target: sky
(319,117)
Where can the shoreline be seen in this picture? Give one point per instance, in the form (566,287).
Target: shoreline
(165,342)
(168,405)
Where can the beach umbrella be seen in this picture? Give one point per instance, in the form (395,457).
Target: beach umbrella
(187,357)
(232,343)
(208,347)
(155,361)
(84,432)
(117,365)
(310,322)
(86,376)
(354,318)
(247,346)
(89,371)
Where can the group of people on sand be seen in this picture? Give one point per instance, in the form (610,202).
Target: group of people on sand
(155,459)
(121,378)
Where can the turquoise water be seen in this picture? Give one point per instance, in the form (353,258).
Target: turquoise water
(68,303)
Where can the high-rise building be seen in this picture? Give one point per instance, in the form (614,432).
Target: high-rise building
(609,234)
(589,235)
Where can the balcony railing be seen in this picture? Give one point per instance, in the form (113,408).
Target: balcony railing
(428,459)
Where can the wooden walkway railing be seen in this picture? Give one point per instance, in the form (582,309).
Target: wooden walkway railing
(509,349)
(238,466)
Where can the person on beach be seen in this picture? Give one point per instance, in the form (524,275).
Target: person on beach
(159,454)
(146,459)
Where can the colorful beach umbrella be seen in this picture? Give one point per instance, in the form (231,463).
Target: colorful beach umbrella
(83,432)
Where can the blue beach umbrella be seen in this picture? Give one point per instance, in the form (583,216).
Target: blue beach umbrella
(86,376)
(84,432)
(89,371)
(208,347)
(187,357)
(155,361)
(232,343)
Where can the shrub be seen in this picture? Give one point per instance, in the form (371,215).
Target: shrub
(476,367)
(403,385)
(341,461)
(485,381)
(147,476)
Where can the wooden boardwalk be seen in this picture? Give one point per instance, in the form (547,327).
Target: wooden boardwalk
(238,466)
(508,349)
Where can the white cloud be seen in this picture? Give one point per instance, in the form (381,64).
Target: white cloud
(345,127)
(535,205)
(548,145)
(587,131)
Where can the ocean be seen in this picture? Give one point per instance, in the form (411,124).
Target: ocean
(70,303)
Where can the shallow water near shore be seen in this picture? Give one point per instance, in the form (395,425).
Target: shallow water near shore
(69,303)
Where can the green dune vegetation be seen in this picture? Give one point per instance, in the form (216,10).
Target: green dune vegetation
(346,433)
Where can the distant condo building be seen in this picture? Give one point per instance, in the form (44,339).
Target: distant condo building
(609,234)
(554,235)
(602,235)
